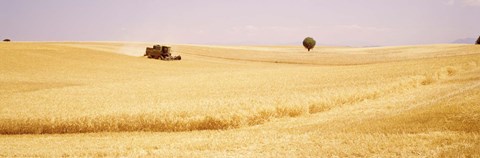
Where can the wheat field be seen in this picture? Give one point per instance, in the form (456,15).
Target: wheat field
(103,99)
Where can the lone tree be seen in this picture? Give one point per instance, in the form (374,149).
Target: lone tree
(309,43)
(478,40)
(6,40)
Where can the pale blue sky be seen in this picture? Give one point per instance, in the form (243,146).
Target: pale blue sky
(330,22)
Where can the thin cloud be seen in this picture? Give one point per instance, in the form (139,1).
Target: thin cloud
(450,2)
(357,27)
(472,2)
(464,2)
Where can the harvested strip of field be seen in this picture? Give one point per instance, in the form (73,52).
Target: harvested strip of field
(327,55)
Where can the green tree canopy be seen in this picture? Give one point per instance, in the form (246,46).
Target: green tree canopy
(309,43)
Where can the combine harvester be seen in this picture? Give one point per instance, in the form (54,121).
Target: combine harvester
(161,52)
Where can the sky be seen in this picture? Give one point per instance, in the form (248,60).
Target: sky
(242,22)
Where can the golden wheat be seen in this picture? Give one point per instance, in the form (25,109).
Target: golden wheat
(49,88)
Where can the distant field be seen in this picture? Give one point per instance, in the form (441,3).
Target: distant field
(104,99)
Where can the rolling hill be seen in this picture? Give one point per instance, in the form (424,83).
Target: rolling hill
(105,99)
